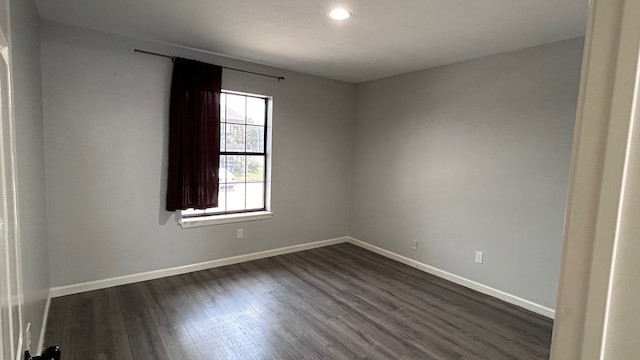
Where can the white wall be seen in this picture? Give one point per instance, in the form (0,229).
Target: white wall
(30,161)
(471,156)
(106,114)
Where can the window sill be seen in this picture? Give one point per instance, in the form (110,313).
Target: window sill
(191,222)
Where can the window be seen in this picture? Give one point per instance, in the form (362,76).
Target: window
(244,161)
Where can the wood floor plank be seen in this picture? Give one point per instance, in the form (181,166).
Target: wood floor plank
(337,302)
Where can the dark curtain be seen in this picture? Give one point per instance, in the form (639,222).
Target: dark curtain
(194,135)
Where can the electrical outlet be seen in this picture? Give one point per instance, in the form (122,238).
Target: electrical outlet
(240,234)
(479,257)
(414,244)
(28,335)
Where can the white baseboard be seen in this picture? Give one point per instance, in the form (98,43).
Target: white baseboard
(511,299)
(157,274)
(43,328)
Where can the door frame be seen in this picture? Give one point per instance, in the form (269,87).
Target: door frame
(606,113)
(8,170)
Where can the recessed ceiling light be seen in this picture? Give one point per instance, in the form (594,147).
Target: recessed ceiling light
(339,14)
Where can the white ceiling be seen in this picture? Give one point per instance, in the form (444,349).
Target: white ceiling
(383,38)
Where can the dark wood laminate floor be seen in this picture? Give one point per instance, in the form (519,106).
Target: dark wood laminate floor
(338,302)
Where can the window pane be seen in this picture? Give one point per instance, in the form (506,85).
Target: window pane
(223,107)
(236,197)
(224,175)
(255,168)
(236,106)
(235,137)
(223,137)
(223,162)
(222,200)
(255,139)
(255,195)
(256,111)
(236,165)
(222,166)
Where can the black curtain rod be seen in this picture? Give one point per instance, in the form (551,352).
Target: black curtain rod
(224,67)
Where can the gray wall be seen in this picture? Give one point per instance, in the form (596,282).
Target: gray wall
(106,114)
(471,156)
(465,157)
(30,161)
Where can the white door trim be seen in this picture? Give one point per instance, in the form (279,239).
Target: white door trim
(606,110)
(10,191)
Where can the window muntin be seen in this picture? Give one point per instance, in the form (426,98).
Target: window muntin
(243,156)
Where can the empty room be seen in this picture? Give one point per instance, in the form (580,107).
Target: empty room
(210,179)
